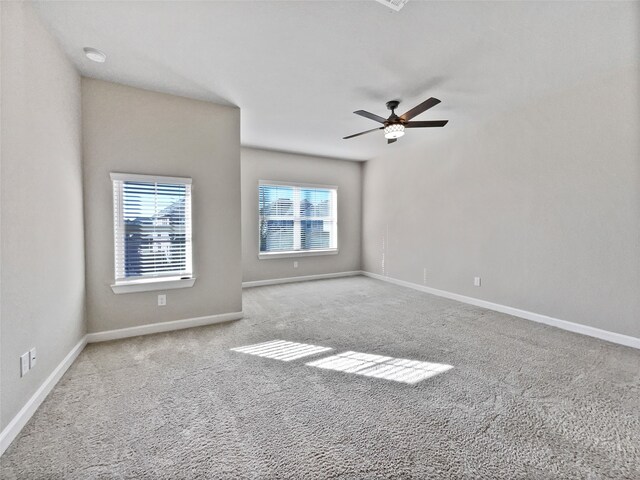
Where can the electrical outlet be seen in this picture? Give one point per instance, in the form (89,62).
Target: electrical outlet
(476,281)
(32,358)
(295,264)
(162,300)
(24,364)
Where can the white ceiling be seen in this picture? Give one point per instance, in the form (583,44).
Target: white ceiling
(298,69)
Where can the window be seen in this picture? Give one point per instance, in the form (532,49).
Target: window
(152,232)
(297,219)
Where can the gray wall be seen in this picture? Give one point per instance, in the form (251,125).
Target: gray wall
(130,130)
(543,203)
(268,165)
(42,246)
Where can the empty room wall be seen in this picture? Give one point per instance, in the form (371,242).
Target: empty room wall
(543,203)
(276,166)
(42,246)
(130,130)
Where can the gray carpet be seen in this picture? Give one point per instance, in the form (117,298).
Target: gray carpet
(522,400)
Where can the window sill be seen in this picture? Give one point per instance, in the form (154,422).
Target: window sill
(312,253)
(151,285)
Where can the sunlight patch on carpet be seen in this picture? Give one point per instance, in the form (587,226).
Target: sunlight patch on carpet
(378,366)
(281,350)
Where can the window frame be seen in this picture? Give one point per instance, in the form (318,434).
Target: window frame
(142,284)
(298,253)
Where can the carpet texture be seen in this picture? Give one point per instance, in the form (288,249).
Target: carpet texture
(522,400)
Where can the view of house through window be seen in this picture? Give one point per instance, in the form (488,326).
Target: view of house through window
(297,218)
(152,227)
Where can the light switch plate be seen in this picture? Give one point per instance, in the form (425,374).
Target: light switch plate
(24,364)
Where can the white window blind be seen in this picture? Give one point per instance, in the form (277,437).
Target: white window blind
(152,227)
(297,218)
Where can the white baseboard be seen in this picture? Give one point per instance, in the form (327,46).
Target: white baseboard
(516,312)
(14,427)
(162,327)
(304,278)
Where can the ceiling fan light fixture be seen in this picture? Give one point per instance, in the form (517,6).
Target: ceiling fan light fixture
(394,125)
(395,130)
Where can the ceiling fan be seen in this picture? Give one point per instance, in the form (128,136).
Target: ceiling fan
(394,125)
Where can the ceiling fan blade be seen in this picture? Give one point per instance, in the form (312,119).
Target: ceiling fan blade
(423,107)
(362,133)
(428,123)
(391,140)
(370,115)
